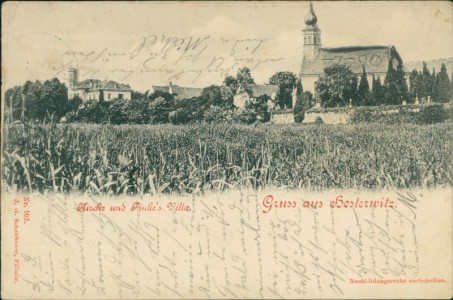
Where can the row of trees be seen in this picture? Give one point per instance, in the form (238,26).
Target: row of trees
(339,86)
(39,100)
(438,86)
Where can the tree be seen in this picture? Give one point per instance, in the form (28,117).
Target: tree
(304,101)
(401,83)
(92,111)
(227,97)
(159,109)
(392,96)
(432,82)
(286,82)
(13,98)
(216,114)
(215,95)
(167,96)
(231,83)
(451,86)
(364,89)
(377,91)
(441,89)
(188,110)
(425,82)
(260,107)
(337,86)
(39,100)
(395,85)
(118,111)
(139,111)
(245,80)
(413,85)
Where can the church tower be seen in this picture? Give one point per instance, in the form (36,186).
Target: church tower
(72,77)
(312,35)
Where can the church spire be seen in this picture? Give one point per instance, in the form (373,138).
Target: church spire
(310,19)
(312,34)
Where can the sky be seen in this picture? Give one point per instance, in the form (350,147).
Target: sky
(199,43)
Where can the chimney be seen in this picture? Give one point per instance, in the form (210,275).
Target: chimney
(170,88)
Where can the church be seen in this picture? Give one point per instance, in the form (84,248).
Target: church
(375,59)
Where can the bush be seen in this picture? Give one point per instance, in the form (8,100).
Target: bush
(434,114)
(319,120)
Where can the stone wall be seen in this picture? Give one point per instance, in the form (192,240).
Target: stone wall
(285,116)
(342,115)
(332,116)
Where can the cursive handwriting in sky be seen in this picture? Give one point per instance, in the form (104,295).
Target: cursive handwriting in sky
(199,43)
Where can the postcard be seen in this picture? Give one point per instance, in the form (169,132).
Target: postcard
(217,149)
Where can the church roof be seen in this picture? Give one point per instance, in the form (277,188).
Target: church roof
(264,89)
(96,84)
(180,91)
(375,59)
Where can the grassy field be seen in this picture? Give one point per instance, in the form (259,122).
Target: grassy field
(136,159)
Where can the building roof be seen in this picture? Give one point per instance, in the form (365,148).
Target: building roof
(96,84)
(375,59)
(264,89)
(190,92)
(179,91)
(186,92)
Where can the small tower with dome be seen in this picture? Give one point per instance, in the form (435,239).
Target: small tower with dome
(312,35)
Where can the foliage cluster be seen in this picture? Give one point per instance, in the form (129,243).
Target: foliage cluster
(427,114)
(437,86)
(339,87)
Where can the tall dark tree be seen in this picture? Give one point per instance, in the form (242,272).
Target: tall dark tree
(451,86)
(432,82)
(413,85)
(364,89)
(377,91)
(286,82)
(304,101)
(441,88)
(401,84)
(395,85)
(424,82)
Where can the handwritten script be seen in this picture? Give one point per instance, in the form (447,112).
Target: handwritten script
(167,57)
(212,246)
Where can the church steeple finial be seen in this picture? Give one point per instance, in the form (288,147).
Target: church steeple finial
(312,34)
(310,18)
